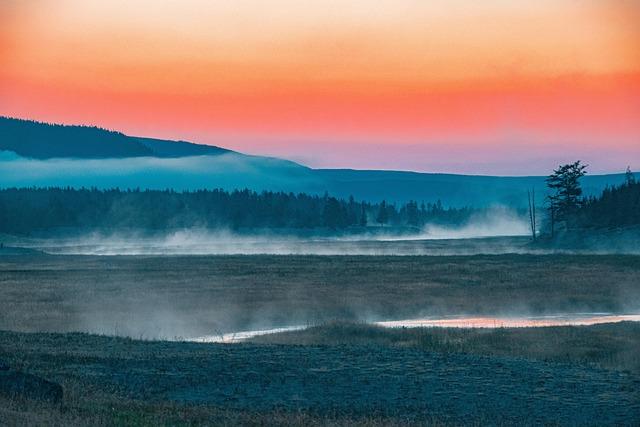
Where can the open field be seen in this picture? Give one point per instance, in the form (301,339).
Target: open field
(118,380)
(189,296)
(610,345)
(336,374)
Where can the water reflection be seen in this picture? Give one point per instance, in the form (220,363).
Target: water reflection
(584,319)
(579,319)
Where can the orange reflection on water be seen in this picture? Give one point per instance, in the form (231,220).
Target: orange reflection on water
(452,322)
(511,322)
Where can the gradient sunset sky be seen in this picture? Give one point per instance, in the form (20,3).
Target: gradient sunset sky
(507,87)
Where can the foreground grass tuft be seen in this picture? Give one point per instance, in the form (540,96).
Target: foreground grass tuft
(611,346)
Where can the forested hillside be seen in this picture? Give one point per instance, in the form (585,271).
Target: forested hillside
(95,157)
(616,207)
(23,211)
(44,141)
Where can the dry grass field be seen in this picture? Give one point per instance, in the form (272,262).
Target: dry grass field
(188,296)
(342,372)
(610,345)
(119,381)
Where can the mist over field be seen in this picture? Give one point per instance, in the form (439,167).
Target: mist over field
(474,236)
(491,232)
(494,222)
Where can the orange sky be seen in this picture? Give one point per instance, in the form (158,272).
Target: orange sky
(321,81)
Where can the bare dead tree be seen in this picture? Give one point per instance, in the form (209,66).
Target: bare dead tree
(533,204)
(531,199)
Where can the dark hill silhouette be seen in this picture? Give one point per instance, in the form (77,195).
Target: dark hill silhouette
(236,171)
(44,141)
(164,148)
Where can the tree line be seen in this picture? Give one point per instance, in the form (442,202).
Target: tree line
(617,206)
(25,210)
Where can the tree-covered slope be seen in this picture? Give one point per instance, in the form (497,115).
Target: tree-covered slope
(44,141)
(42,155)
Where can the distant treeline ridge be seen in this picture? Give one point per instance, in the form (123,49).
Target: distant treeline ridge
(27,210)
(616,207)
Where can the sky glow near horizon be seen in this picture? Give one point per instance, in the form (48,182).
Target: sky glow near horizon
(496,87)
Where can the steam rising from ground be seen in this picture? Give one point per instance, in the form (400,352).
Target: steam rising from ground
(495,222)
(202,242)
(432,240)
(494,231)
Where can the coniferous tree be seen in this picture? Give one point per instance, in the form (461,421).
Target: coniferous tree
(565,192)
(616,207)
(383,214)
(629,177)
(332,213)
(412,213)
(363,216)
(352,212)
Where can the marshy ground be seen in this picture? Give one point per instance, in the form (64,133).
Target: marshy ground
(343,372)
(191,296)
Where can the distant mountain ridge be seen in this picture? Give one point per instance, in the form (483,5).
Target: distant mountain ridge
(45,141)
(78,156)
(451,189)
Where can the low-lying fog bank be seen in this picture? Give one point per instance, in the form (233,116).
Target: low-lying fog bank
(202,242)
(497,230)
(494,231)
(437,242)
